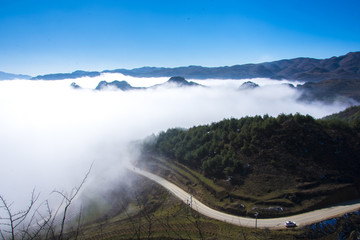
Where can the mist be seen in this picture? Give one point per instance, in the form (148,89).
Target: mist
(50,133)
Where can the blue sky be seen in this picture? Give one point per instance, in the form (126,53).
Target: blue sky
(38,37)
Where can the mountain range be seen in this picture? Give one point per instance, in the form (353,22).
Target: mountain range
(304,69)
(11,76)
(325,79)
(60,76)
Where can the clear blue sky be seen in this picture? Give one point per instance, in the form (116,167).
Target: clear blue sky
(38,37)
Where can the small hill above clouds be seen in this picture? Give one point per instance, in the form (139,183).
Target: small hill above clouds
(177,82)
(11,76)
(125,86)
(248,85)
(122,85)
(181,81)
(345,90)
(74,85)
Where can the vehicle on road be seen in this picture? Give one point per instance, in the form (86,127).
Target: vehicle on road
(289,224)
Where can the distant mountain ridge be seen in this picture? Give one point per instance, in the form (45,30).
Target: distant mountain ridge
(11,76)
(305,69)
(60,76)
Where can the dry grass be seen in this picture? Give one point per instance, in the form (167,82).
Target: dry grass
(169,218)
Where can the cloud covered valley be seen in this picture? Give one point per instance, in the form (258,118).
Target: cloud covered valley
(51,133)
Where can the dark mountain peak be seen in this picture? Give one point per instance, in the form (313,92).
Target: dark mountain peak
(101,85)
(352,58)
(122,85)
(75,86)
(178,80)
(353,54)
(181,82)
(248,85)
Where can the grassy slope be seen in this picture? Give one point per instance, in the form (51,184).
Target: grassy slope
(151,213)
(223,196)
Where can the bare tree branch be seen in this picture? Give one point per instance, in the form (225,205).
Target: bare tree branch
(50,225)
(38,225)
(15,219)
(21,216)
(2,235)
(35,232)
(68,201)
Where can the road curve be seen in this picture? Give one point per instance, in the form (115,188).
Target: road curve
(271,223)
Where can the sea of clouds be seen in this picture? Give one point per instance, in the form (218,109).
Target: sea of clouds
(50,133)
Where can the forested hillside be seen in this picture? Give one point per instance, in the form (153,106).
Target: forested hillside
(226,148)
(291,160)
(350,115)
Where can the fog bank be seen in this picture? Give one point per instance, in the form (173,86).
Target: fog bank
(50,133)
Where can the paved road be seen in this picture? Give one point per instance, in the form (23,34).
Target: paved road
(272,223)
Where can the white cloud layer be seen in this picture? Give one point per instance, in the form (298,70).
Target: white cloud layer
(50,133)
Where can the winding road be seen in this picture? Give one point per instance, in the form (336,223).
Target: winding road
(271,223)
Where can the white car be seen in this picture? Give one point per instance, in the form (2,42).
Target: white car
(290,224)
